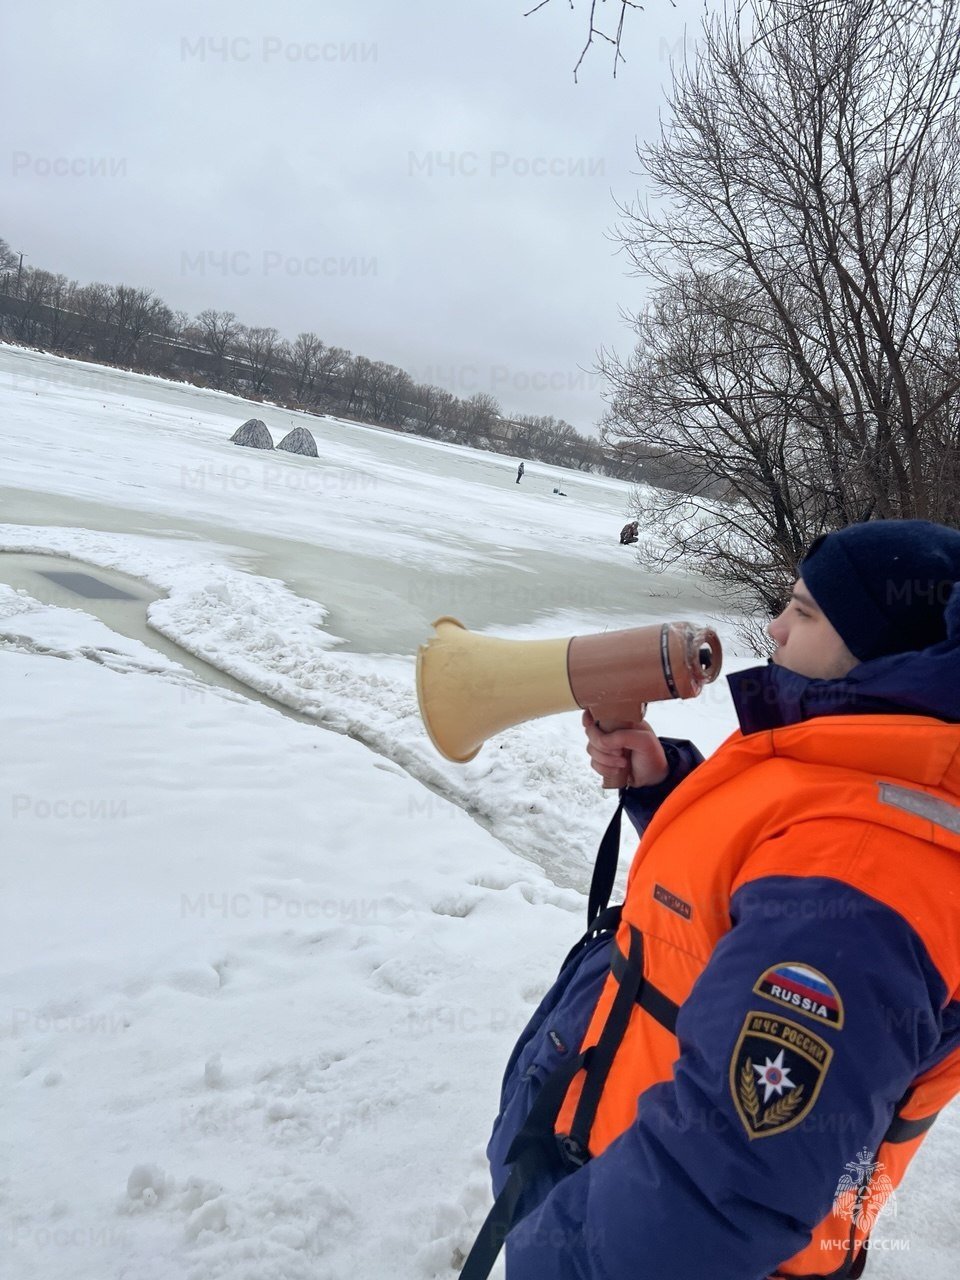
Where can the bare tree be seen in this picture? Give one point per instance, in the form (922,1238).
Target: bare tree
(392,394)
(218,333)
(43,316)
(433,407)
(262,351)
(90,304)
(799,353)
(583,453)
(379,392)
(546,437)
(181,329)
(356,382)
(332,366)
(59,324)
(305,354)
(27,325)
(8,263)
(475,417)
(133,317)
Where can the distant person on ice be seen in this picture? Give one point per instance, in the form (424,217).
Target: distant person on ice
(630,533)
(733,1069)
(519,473)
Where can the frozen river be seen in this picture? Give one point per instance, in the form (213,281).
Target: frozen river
(309,583)
(386,531)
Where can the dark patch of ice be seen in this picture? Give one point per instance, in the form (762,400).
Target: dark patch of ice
(84,584)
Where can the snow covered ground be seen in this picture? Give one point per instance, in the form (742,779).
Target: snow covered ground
(260,979)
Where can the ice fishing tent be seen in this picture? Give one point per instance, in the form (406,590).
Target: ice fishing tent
(253,434)
(299,440)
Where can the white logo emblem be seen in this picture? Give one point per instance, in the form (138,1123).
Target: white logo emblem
(774,1077)
(865,1195)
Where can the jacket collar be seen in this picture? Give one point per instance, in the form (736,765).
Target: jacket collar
(772,697)
(925,684)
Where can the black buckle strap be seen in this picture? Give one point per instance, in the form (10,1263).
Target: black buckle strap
(608,921)
(901,1130)
(649,997)
(906,1130)
(610,1039)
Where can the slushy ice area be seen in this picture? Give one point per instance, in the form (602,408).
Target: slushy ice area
(119,602)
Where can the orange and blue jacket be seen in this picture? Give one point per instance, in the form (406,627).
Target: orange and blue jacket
(774,1023)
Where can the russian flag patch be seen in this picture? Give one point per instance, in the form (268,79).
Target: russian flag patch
(803,990)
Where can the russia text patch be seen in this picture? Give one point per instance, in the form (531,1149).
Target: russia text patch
(804,990)
(776,1072)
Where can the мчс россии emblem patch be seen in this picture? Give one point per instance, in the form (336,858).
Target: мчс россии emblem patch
(776,1072)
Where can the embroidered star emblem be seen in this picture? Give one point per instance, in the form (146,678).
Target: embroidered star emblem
(774,1077)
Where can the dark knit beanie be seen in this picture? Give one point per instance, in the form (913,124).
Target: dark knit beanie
(884,585)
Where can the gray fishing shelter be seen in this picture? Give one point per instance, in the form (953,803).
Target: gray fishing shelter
(253,434)
(299,440)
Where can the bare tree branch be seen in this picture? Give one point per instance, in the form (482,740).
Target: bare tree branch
(594,31)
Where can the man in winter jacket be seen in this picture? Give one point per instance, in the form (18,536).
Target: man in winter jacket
(731,1073)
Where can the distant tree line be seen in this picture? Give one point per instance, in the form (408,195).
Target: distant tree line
(132,328)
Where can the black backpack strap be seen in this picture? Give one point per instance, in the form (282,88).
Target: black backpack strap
(608,921)
(605,867)
(606,1047)
(901,1130)
(600,917)
(537,1148)
(533,1151)
(906,1130)
(651,998)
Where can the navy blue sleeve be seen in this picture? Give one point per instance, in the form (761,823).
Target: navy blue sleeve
(641,803)
(686,1191)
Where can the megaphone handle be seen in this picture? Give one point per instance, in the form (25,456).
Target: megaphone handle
(620,777)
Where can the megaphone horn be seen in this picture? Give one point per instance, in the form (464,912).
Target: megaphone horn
(471,687)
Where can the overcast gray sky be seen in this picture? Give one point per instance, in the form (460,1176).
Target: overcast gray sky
(420,182)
